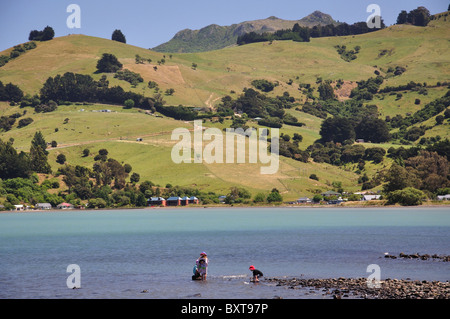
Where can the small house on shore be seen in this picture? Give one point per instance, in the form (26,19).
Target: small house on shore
(173,201)
(184,201)
(156,201)
(43,206)
(443,197)
(193,200)
(370,197)
(303,200)
(65,206)
(330,193)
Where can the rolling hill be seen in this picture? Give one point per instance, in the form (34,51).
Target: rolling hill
(214,37)
(422,51)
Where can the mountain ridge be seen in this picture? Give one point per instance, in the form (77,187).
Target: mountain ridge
(214,37)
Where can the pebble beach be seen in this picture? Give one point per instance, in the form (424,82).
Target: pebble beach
(342,288)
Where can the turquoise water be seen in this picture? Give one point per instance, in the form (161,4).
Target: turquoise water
(122,253)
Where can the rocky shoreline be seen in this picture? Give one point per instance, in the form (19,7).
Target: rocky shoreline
(351,288)
(444,258)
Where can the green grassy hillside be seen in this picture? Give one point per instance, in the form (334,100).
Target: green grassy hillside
(423,51)
(117,132)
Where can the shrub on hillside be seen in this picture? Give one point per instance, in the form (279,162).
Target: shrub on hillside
(108,63)
(408,196)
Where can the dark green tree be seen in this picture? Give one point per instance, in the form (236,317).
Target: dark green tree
(141,200)
(337,129)
(61,159)
(38,160)
(12,165)
(398,178)
(108,63)
(439,119)
(118,36)
(39,141)
(274,196)
(419,17)
(372,129)
(135,177)
(402,17)
(326,91)
(408,196)
(10,92)
(38,154)
(47,34)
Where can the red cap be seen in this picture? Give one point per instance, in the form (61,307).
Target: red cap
(251,267)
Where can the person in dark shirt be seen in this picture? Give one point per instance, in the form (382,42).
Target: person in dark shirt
(256,273)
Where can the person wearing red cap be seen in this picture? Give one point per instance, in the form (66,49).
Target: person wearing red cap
(256,273)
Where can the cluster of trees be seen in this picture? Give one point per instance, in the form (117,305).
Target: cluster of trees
(326,91)
(83,88)
(241,195)
(367,88)
(105,172)
(141,60)
(255,104)
(417,173)
(347,55)
(264,85)
(342,29)
(428,111)
(19,190)
(132,77)
(178,112)
(10,92)
(297,33)
(336,155)
(45,35)
(340,129)
(303,34)
(17,51)
(13,164)
(353,120)
(411,86)
(6,122)
(291,149)
(427,172)
(418,17)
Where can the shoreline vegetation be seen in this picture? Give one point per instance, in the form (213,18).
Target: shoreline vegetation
(369,204)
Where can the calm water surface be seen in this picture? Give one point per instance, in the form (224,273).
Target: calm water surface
(124,252)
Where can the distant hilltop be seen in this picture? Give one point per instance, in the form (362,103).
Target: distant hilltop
(214,37)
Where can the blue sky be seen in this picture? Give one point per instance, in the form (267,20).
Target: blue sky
(149,23)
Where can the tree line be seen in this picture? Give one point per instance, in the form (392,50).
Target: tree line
(304,34)
(418,17)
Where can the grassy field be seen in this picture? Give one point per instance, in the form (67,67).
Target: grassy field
(151,158)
